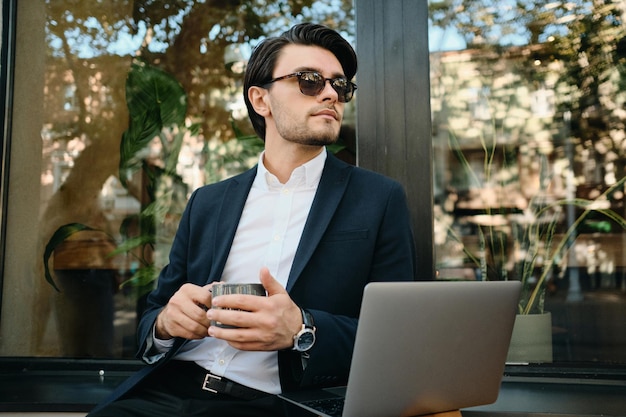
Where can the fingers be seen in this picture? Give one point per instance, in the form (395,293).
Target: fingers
(184,315)
(237,310)
(247,331)
(269,328)
(269,282)
(245,302)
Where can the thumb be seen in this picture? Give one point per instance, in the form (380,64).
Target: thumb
(269,282)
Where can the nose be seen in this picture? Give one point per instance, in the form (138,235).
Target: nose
(328,92)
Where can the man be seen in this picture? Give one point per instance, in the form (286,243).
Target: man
(312,229)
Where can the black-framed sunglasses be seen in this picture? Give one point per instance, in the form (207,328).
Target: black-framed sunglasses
(312,83)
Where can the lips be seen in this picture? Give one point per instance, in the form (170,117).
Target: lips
(327,113)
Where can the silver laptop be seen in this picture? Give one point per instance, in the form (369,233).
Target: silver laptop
(423,347)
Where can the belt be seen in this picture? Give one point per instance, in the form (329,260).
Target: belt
(210,383)
(220,385)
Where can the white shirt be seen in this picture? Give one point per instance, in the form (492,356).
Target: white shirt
(268,234)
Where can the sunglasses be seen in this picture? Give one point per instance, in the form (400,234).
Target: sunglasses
(312,83)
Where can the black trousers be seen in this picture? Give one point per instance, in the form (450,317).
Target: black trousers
(172,394)
(154,403)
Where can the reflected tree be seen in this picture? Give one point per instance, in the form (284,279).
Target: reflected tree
(585,39)
(203,44)
(90,48)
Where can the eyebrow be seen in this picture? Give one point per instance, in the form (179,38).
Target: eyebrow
(311,69)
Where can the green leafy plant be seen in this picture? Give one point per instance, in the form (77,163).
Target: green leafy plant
(157,107)
(536,233)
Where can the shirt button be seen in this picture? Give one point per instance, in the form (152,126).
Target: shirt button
(276,238)
(222,362)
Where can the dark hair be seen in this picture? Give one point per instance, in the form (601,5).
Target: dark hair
(263,59)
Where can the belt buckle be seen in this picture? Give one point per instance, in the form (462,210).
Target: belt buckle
(207,382)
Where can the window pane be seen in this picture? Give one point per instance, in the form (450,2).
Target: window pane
(126,110)
(528,118)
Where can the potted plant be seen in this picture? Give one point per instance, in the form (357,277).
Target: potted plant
(88,260)
(157,107)
(157,116)
(528,245)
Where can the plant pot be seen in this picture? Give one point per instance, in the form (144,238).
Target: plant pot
(531,341)
(84,312)
(86,276)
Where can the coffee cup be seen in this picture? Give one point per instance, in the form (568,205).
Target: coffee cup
(227,289)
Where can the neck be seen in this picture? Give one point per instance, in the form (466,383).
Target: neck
(282,160)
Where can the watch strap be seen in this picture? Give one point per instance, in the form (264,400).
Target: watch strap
(307,319)
(308,328)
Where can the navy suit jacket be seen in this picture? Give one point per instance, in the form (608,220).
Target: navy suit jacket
(358,230)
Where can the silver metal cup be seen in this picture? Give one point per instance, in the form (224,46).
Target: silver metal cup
(227,289)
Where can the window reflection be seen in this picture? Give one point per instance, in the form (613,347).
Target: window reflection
(541,81)
(122,221)
(528,136)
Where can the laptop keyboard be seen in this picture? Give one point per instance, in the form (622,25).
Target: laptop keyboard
(330,406)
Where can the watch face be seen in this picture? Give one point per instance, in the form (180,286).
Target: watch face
(305,340)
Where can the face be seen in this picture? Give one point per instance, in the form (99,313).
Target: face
(295,117)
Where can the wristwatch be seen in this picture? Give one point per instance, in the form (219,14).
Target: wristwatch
(305,338)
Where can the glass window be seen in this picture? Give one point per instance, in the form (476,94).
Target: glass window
(122,109)
(528,135)
(528,139)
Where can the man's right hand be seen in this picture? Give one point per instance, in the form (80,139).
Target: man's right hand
(184,315)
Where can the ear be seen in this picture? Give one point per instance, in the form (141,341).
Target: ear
(258,99)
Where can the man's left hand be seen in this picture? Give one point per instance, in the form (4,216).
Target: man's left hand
(263,323)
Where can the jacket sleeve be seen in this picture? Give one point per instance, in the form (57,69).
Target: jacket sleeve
(170,279)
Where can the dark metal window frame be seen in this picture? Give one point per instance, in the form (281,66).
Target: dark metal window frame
(393,126)
(7,59)
(393,107)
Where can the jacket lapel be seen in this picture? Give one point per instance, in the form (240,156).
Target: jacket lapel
(230,211)
(329,192)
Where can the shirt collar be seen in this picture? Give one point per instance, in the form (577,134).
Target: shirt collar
(306,175)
